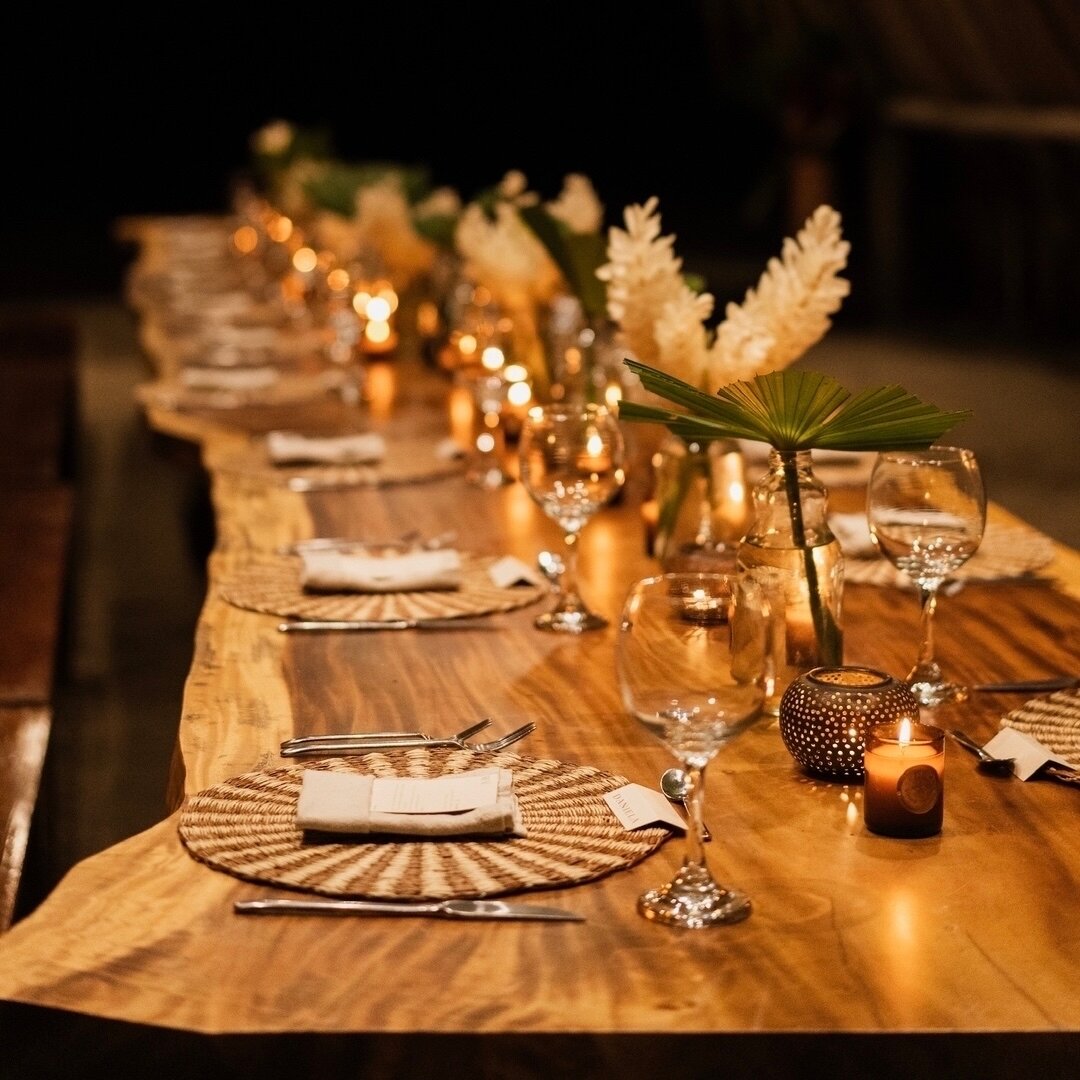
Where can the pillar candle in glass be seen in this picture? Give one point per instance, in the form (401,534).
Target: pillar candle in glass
(904,793)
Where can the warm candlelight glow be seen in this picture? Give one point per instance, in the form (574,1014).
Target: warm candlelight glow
(245,239)
(305,260)
(377,332)
(515,373)
(377,309)
(338,279)
(492,358)
(518,394)
(279,228)
(905,770)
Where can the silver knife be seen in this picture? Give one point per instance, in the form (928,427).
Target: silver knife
(1030,686)
(297,625)
(446,909)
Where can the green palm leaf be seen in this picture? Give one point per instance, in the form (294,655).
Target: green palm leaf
(793,410)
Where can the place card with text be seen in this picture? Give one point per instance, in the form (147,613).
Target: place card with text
(637,806)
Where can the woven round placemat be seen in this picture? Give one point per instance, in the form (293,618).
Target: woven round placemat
(271,584)
(246,827)
(408,460)
(1006,551)
(1054,720)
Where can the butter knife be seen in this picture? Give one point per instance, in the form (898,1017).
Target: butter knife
(323,625)
(446,909)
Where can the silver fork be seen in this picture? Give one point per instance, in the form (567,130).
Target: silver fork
(379,738)
(339,746)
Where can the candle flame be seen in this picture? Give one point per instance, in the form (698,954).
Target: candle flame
(904,735)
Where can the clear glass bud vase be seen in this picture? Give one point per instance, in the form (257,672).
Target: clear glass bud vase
(702,507)
(790,549)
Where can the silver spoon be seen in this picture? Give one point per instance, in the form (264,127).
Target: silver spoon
(675,784)
(987,762)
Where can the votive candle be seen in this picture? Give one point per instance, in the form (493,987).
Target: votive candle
(904,793)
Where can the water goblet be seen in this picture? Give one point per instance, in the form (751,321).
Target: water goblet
(571,463)
(693,667)
(927,511)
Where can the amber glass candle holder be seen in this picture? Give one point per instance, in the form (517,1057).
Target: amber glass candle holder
(904,793)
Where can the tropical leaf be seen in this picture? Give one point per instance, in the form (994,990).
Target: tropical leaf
(577,255)
(794,410)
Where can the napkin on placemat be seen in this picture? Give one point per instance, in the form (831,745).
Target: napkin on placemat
(292,448)
(509,571)
(853,532)
(352,803)
(249,378)
(339,571)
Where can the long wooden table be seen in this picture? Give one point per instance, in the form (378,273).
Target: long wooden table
(940,952)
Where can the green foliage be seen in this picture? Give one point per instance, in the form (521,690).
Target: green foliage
(577,255)
(793,410)
(334,188)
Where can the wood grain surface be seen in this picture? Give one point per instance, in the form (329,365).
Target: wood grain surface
(971,931)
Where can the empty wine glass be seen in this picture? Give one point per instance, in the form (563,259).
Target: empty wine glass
(571,460)
(927,512)
(693,668)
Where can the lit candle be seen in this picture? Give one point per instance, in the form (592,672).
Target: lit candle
(905,771)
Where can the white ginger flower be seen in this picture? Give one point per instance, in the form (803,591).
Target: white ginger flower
(663,323)
(505,255)
(385,226)
(577,206)
(274,138)
(339,235)
(645,286)
(443,201)
(789,310)
(514,188)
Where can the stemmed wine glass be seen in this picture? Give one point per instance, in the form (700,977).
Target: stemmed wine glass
(927,511)
(571,460)
(693,668)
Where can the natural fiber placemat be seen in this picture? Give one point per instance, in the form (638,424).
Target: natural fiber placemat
(246,827)
(408,460)
(1006,551)
(271,584)
(289,389)
(1054,720)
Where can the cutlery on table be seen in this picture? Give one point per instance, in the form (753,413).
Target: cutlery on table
(675,785)
(987,762)
(336,745)
(1030,686)
(381,736)
(326,625)
(447,909)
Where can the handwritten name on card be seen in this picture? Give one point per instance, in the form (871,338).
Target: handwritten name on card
(637,806)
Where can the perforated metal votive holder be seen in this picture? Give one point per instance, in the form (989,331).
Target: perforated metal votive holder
(827,712)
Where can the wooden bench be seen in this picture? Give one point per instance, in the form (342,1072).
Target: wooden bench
(37,501)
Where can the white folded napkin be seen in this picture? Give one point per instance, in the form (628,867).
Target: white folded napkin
(350,803)
(292,448)
(250,378)
(510,571)
(339,571)
(853,532)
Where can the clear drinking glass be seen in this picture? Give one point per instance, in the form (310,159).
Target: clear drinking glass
(571,459)
(693,668)
(927,512)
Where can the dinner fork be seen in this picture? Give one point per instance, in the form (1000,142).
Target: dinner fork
(413,738)
(338,746)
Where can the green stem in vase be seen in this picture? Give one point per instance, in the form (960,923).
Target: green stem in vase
(668,511)
(825,629)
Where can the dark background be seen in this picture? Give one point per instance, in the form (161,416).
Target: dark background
(739,114)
